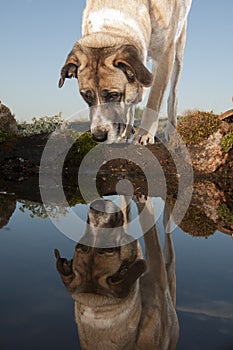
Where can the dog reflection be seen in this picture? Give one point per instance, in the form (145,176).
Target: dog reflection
(121,300)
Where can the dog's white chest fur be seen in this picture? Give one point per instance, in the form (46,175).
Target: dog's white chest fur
(98,20)
(107,316)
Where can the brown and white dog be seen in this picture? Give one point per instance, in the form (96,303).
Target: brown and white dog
(121,300)
(109,63)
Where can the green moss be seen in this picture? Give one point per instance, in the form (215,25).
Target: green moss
(198,126)
(227,142)
(84,144)
(76,199)
(225,214)
(4,135)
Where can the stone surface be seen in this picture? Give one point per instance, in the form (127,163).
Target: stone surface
(7,120)
(207,156)
(206,153)
(210,209)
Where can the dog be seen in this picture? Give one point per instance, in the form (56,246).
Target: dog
(109,62)
(121,300)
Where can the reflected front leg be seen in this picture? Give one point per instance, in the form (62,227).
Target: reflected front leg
(156,274)
(169,252)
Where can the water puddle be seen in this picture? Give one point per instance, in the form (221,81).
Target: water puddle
(140,276)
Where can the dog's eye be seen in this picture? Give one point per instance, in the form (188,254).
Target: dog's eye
(111,96)
(81,248)
(88,96)
(100,251)
(106,251)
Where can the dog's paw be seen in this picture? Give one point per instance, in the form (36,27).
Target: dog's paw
(127,135)
(169,131)
(144,202)
(140,198)
(144,138)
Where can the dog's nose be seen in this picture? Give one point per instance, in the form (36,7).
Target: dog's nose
(100,135)
(98,204)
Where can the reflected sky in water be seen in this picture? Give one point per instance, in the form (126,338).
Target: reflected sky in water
(36,310)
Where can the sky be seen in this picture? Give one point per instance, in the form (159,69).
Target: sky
(37,35)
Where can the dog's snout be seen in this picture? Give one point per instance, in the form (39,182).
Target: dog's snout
(98,205)
(100,135)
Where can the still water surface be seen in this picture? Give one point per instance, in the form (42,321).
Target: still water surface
(37,311)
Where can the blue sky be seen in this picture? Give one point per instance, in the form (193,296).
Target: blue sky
(36,35)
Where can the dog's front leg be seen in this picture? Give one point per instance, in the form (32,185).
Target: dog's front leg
(150,116)
(128,132)
(148,128)
(172,99)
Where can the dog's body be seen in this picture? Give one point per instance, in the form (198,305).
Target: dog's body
(116,307)
(109,62)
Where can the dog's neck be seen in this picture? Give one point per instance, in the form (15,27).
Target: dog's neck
(104,322)
(114,21)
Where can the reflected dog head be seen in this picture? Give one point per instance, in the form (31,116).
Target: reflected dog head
(111,271)
(111,79)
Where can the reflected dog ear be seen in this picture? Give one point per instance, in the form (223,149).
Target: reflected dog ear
(123,280)
(74,60)
(128,60)
(64,267)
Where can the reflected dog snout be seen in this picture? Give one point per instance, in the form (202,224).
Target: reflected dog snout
(99,135)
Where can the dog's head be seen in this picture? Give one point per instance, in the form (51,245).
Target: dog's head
(110,81)
(110,271)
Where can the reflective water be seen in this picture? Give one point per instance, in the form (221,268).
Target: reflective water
(37,310)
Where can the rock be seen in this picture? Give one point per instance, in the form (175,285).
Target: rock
(207,156)
(203,134)
(7,120)
(7,208)
(209,210)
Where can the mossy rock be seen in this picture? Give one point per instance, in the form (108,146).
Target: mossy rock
(7,208)
(7,120)
(198,126)
(227,142)
(4,136)
(205,136)
(85,143)
(197,224)
(4,110)
(225,214)
(82,145)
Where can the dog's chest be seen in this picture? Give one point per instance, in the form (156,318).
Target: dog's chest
(98,320)
(122,20)
(113,325)
(107,316)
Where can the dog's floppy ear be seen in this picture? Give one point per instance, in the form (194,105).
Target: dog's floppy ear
(73,62)
(64,267)
(129,61)
(123,280)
